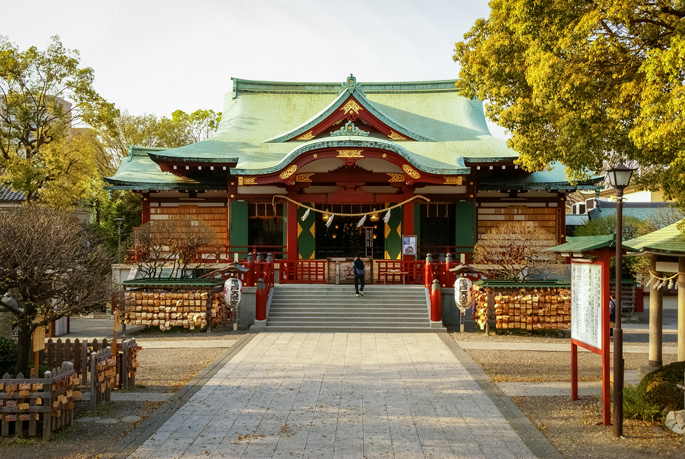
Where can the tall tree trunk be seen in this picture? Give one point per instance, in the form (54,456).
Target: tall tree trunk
(23,348)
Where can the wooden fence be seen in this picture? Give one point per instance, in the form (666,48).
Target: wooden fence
(103,373)
(128,363)
(79,353)
(24,402)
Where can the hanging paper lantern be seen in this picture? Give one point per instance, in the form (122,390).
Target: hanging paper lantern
(462,293)
(361,222)
(306,214)
(233,291)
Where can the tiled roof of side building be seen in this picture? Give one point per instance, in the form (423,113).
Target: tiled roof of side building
(7,194)
(641,210)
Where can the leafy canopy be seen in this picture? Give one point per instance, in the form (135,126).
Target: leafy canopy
(585,83)
(44,96)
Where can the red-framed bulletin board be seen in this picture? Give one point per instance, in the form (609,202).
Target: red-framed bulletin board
(590,321)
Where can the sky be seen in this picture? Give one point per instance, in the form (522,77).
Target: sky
(160,56)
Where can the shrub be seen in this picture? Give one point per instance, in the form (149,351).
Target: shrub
(636,405)
(660,386)
(8,355)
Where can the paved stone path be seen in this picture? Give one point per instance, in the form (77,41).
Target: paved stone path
(553,347)
(337,396)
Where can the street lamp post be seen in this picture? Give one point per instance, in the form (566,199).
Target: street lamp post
(619,176)
(119,222)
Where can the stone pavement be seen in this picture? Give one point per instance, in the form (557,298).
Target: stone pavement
(553,347)
(346,395)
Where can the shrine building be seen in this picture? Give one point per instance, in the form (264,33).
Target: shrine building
(289,157)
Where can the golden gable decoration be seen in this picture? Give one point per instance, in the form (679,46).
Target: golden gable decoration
(395,136)
(410,171)
(288,172)
(308,136)
(396,178)
(351,106)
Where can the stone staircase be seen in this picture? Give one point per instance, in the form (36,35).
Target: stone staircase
(335,308)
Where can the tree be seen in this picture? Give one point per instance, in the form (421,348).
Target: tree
(147,130)
(57,263)
(516,250)
(166,248)
(43,95)
(584,83)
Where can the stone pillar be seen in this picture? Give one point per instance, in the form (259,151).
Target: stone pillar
(656,320)
(681,309)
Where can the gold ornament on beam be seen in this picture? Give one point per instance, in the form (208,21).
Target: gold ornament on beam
(247,181)
(288,172)
(304,178)
(308,136)
(411,172)
(351,106)
(396,178)
(350,154)
(453,180)
(395,136)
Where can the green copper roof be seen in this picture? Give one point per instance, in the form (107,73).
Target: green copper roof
(584,244)
(552,178)
(259,111)
(668,240)
(509,284)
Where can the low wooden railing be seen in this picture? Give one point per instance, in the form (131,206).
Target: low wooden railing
(302,272)
(400,272)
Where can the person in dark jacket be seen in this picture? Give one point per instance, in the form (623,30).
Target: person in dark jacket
(612,314)
(359,273)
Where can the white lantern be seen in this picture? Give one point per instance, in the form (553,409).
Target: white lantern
(462,293)
(233,291)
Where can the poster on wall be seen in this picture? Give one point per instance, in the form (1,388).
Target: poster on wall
(409,245)
(586,303)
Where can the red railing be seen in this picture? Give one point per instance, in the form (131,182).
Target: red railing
(399,272)
(303,272)
(225,254)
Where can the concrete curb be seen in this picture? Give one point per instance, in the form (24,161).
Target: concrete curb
(531,436)
(127,445)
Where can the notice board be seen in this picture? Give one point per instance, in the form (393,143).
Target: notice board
(586,303)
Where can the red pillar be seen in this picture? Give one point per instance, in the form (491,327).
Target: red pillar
(146,208)
(408,222)
(291,239)
(436,302)
(261,298)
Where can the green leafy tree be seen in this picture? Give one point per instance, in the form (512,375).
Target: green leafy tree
(44,95)
(584,83)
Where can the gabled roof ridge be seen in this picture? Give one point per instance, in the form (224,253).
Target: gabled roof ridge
(263,86)
(335,105)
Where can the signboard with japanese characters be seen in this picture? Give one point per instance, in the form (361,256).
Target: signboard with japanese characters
(586,303)
(462,293)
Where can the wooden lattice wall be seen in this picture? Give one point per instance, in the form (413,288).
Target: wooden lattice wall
(213,216)
(545,215)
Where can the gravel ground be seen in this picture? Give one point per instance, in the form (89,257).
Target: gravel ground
(575,430)
(160,370)
(154,333)
(167,370)
(82,440)
(528,366)
(563,421)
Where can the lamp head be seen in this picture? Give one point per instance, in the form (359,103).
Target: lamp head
(119,220)
(620,175)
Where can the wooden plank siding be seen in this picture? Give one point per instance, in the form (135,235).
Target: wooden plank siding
(545,214)
(214,216)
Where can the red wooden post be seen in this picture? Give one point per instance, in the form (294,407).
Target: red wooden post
(606,356)
(251,267)
(261,300)
(291,238)
(428,271)
(574,371)
(436,304)
(408,222)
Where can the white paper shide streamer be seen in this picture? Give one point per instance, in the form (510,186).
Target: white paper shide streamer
(330,220)
(386,219)
(306,214)
(361,222)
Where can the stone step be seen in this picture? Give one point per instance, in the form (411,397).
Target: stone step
(349,321)
(350,328)
(394,295)
(346,312)
(330,303)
